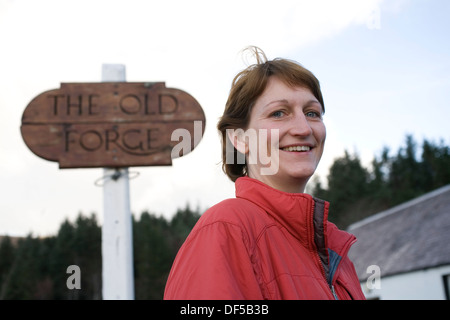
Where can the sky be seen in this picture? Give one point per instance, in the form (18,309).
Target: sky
(383,66)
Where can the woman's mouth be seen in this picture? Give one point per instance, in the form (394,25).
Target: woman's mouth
(297,148)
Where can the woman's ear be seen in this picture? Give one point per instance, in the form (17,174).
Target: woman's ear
(237,138)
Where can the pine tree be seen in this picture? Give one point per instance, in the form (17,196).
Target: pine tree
(88,256)
(7,257)
(152,256)
(347,184)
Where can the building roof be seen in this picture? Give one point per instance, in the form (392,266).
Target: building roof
(412,236)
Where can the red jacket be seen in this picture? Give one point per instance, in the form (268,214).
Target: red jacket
(264,244)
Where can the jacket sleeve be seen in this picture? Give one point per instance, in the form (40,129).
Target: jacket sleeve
(214,264)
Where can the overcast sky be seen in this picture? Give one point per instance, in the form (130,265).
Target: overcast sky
(383,65)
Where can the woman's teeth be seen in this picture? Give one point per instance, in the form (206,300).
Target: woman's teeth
(297,148)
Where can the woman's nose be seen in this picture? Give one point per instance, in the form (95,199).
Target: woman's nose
(300,126)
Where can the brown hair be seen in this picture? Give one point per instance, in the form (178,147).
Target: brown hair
(246,87)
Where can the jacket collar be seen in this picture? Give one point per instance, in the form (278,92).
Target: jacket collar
(294,211)
(303,216)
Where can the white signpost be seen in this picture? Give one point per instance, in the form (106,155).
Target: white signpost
(113,125)
(117,229)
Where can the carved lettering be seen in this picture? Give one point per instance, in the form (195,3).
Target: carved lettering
(68,140)
(55,102)
(151,137)
(76,105)
(138,142)
(130,104)
(91,104)
(91,140)
(167,104)
(112,124)
(73,105)
(111,136)
(129,143)
(148,105)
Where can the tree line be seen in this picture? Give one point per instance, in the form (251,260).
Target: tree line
(35,268)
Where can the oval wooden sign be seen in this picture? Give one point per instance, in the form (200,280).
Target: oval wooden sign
(112,124)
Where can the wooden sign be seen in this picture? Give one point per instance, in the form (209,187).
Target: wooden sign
(112,124)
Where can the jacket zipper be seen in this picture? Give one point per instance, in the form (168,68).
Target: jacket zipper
(330,285)
(322,268)
(334,293)
(344,252)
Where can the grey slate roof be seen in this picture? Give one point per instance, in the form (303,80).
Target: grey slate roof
(411,236)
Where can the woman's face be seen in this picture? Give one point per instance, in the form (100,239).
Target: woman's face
(296,150)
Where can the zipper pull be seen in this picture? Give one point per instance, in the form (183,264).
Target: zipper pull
(334,293)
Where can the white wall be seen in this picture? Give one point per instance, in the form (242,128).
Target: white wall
(418,285)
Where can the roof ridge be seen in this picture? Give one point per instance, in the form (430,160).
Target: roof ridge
(402,206)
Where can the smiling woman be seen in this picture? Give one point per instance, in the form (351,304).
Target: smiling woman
(272,241)
(301,133)
(250,87)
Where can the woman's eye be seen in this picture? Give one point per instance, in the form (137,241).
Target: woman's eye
(313,114)
(277,114)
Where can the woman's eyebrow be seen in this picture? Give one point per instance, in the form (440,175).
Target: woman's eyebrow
(276,101)
(311,102)
(285,101)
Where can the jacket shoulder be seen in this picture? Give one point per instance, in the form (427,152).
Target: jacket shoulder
(219,247)
(339,240)
(242,213)
(235,210)
(232,209)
